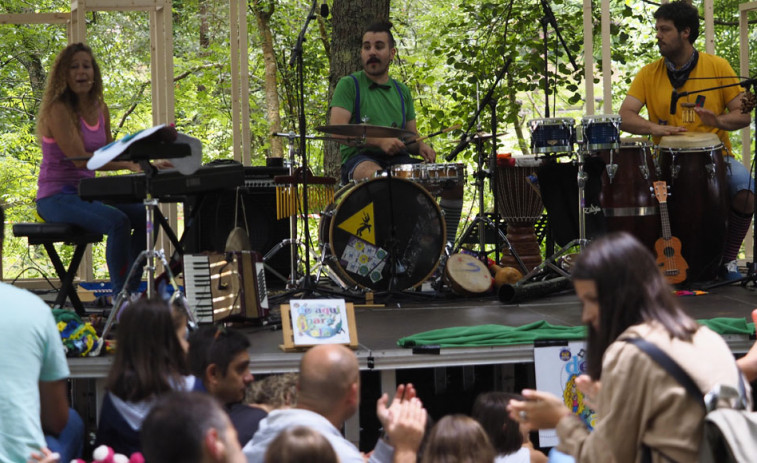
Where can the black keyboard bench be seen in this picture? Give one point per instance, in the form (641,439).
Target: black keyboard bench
(47,234)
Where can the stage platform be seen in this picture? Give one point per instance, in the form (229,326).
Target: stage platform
(379,328)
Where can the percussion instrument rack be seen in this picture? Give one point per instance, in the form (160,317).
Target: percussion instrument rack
(538,280)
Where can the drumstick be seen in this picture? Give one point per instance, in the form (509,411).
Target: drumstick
(448,129)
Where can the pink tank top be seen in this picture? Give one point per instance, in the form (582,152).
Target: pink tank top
(59,175)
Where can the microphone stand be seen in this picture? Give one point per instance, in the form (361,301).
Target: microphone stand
(466,138)
(549,18)
(297,59)
(481,221)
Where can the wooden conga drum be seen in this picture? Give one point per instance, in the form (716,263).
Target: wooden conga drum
(519,204)
(626,197)
(692,165)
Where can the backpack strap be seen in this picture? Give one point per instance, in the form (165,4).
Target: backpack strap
(674,370)
(669,365)
(356,109)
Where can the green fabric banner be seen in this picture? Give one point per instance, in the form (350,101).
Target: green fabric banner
(503,335)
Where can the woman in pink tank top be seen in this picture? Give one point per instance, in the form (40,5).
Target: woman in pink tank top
(73,122)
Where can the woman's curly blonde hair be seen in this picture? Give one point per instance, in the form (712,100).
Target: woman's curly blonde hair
(57,90)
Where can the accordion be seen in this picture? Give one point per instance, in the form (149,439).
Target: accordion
(226,286)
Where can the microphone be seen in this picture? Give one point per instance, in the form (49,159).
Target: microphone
(464,140)
(324,10)
(673,101)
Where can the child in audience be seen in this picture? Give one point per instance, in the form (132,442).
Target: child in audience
(149,362)
(509,438)
(300,445)
(458,439)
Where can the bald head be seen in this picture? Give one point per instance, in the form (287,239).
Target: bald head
(328,374)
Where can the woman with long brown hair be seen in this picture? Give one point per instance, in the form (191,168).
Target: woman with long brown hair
(72,123)
(625,296)
(149,363)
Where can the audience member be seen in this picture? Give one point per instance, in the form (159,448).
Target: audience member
(189,427)
(509,438)
(329,394)
(458,439)
(181,326)
(34,410)
(624,295)
(748,363)
(300,445)
(273,392)
(219,358)
(149,362)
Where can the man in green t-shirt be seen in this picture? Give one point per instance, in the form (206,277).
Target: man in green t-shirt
(372,97)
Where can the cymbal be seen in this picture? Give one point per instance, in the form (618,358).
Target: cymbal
(364,130)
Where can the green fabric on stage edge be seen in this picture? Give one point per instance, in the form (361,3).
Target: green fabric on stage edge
(503,335)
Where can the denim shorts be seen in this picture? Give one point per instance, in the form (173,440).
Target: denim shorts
(383,160)
(739,178)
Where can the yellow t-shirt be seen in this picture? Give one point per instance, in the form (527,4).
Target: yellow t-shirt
(652,87)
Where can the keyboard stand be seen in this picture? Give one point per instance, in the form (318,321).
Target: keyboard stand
(143,153)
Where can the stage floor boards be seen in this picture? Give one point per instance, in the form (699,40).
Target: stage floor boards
(379,328)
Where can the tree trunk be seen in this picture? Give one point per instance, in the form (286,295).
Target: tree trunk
(263,12)
(37,76)
(351,17)
(204,26)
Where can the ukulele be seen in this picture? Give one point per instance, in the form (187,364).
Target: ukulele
(668,248)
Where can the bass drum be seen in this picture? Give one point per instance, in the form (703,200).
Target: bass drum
(383,234)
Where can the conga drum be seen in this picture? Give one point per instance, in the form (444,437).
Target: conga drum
(692,165)
(626,196)
(520,206)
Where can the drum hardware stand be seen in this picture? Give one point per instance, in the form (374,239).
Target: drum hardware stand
(481,221)
(296,283)
(291,282)
(581,241)
(142,154)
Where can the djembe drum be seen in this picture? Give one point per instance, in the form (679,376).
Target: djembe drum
(519,204)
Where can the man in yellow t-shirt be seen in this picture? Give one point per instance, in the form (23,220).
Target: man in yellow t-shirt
(684,69)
